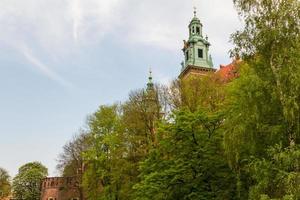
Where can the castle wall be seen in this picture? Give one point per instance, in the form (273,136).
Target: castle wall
(60,188)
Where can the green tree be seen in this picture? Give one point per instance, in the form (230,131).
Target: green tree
(270,44)
(26,184)
(120,137)
(5,185)
(263,117)
(103,178)
(189,161)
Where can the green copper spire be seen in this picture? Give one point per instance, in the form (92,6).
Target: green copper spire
(196,48)
(150,85)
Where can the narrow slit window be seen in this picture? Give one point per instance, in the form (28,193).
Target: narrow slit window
(186,55)
(200,53)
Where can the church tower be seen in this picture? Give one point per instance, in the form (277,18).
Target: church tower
(197,60)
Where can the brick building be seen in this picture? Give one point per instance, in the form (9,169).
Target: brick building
(60,188)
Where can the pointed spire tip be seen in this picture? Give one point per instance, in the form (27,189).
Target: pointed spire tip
(195,11)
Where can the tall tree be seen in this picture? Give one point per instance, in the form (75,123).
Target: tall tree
(263,121)
(189,162)
(5,185)
(70,161)
(103,178)
(26,184)
(270,43)
(122,135)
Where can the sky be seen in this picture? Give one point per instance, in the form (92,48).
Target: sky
(61,59)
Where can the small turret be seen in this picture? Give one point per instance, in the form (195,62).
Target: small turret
(195,26)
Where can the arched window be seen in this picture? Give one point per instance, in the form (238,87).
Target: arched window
(198,30)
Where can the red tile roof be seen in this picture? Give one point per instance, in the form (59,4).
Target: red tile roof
(229,72)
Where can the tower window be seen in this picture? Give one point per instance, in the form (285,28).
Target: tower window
(187,55)
(200,53)
(198,30)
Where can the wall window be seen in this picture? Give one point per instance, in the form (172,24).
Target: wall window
(198,30)
(200,53)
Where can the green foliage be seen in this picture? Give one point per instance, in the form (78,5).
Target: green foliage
(270,44)
(189,162)
(120,135)
(263,120)
(206,92)
(277,176)
(26,184)
(104,178)
(5,185)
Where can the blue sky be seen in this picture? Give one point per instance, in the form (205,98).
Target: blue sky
(61,59)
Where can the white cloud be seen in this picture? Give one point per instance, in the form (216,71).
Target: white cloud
(43,68)
(93,19)
(62,27)
(58,22)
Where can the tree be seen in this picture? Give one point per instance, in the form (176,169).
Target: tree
(102,178)
(189,162)
(263,116)
(122,135)
(70,162)
(270,44)
(5,185)
(26,184)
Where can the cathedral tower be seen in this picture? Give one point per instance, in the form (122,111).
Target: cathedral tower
(197,60)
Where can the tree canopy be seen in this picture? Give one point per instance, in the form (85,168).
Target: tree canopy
(5,185)
(26,184)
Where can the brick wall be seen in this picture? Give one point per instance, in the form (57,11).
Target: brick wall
(60,188)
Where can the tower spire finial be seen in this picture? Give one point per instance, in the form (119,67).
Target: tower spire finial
(195,11)
(150,74)
(150,82)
